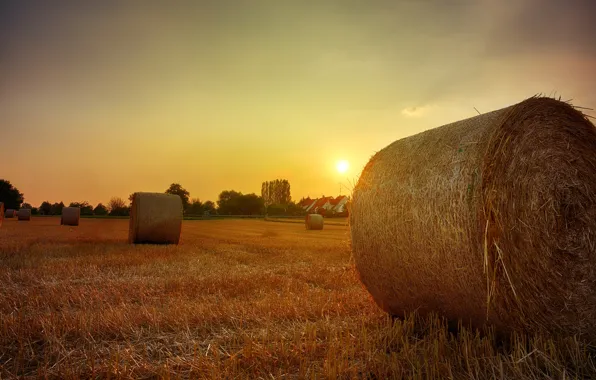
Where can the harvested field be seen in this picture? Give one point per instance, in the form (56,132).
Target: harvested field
(235,299)
(300,220)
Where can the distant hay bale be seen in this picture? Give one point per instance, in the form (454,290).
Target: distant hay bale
(10,213)
(70,216)
(491,220)
(155,218)
(314,222)
(24,214)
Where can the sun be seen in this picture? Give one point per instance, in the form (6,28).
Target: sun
(342,166)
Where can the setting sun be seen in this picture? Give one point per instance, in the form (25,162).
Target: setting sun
(342,166)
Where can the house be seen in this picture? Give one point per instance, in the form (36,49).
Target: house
(324,204)
(307,203)
(339,204)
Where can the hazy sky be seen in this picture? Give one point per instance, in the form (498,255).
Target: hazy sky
(104,99)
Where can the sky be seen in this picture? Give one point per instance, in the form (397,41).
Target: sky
(102,99)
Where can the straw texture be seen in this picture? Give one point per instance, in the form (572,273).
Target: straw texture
(491,220)
(70,216)
(314,222)
(24,214)
(155,218)
(10,213)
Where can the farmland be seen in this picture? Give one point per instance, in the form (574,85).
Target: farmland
(236,299)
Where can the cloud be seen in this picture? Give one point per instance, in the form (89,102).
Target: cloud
(418,111)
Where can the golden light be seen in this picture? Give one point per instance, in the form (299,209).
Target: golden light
(342,166)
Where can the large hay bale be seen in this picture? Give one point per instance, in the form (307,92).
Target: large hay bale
(70,216)
(155,218)
(24,214)
(10,213)
(491,220)
(314,222)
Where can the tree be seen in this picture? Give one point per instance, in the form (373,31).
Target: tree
(289,209)
(231,202)
(276,192)
(209,207)
(100,209)
(227,204)
(250,204)
(118,207)
(26,206)
(86,208)
(57,208)
(10,195)
(295,209)
(195,207)
(115,203)
(45,208)
(176,189)
(34,211)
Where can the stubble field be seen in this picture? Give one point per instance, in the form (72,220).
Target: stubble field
(236,299)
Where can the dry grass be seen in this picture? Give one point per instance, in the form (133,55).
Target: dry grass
(300,220)
(236,299)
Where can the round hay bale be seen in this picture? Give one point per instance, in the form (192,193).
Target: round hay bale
(24,214)
(490,220)
(155,218)
(314,222)
(10,213)
(70,216)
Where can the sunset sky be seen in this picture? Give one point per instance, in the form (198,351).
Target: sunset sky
(105,99)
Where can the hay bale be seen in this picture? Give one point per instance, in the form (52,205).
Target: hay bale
(491,220)
(70,216)
(10,213)
(155,218)
(24,214)
(314,222)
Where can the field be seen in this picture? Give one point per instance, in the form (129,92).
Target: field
(236,299)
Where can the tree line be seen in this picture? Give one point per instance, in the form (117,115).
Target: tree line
(275,199)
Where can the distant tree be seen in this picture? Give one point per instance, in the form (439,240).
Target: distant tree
(276,192)
(231,202)
(227,203)
(209,207)
(130,198)
(86,208)
(45,208)
(34,211)
(115,203)
(120,211)
(251,204)
(26,206)
(118,207)
(100,209)
(57,208)
(267,201)
(289,209)
(276,210)
(195,207)
(10,195)
(175,188)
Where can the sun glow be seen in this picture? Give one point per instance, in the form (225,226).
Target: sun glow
(342,166)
